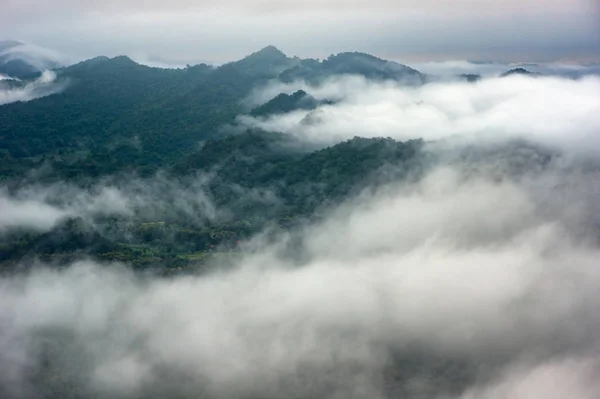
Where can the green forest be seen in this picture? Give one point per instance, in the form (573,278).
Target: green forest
(118,120)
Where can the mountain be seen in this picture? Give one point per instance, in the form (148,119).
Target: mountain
(121,114)
(300,183)
(470,77)
(519,71)
(284,103)
(20,60)
(116,115)
(266,63)
(354,63)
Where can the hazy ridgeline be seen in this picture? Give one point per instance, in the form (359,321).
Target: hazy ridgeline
(463,265)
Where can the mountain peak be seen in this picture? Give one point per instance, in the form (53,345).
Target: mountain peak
(354,54)
(519,71)
(270,52)
(123,59)
(268,62)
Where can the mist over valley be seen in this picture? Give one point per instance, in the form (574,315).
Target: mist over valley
(282,226)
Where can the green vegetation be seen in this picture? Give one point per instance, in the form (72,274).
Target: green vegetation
(260,179)
(353,63)
(286,103)
(117,119)
(116,115)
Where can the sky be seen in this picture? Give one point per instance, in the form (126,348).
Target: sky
(181,31)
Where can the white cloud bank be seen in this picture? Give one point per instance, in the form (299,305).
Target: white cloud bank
(452,68)
(469,270)
(41,207)
(570,378)
(558,112)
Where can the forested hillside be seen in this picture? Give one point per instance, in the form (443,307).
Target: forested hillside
(116,115)
(125,128)
(262,180)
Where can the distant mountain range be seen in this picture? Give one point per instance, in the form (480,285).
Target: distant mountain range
(117,119)
(271,61)
(520,71)
(115,114)
(113,107)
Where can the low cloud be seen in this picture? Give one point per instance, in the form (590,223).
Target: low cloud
(39,57)
(27,213)
(570,378)
(454,286)
(40,207)
(451,69)
(550,111)
(44,86)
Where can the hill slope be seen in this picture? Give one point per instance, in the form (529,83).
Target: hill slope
(117,115)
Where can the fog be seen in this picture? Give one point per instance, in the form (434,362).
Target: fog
(41,206)
(478,280)
(575,378)
(39,57)
(457,275)
(43,86)
(540,109)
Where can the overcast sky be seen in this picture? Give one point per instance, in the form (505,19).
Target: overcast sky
(218,31)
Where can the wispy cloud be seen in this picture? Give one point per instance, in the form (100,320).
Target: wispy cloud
(551,111)
(466,269)
(40,207)
(44,86)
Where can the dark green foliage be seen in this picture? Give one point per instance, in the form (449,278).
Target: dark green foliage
(117,118)
(69,236)
(261,180)
(266,63)
(105,103)
(354,63)
(284,103)
(116,115)
(269,161)
(519,71)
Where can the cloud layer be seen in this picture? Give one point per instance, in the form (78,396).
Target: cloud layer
(537,109)
(450,69)
(40,207)
(458,285)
